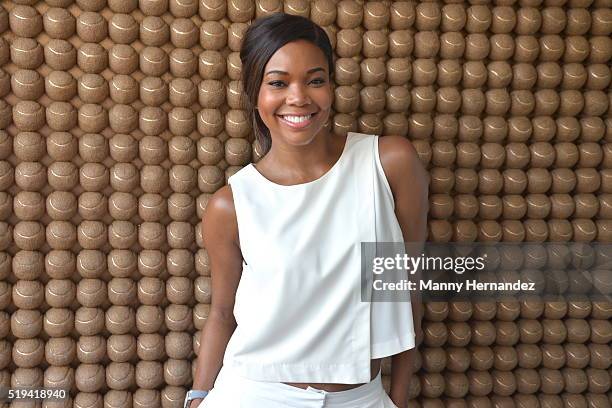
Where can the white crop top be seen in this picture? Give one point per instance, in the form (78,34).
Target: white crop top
(298,303)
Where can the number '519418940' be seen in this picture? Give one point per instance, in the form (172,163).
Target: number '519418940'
(32,393)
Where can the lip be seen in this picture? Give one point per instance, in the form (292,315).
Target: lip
(300,125)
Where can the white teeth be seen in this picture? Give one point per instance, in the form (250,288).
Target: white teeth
(297,119)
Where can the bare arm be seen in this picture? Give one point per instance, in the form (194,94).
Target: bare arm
(220,235)
(409,183)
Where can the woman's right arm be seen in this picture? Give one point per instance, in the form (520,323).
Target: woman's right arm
(220,237)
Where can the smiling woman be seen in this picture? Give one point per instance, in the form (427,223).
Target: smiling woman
(294,103)
(298,97)
(284,55)
(287,327)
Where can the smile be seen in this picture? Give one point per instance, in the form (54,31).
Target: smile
(297,122)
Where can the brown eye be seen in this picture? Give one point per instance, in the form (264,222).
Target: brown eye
(276,84)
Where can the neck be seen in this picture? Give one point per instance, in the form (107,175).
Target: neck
(305,160)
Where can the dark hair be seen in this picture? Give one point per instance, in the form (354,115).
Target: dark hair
(262,39)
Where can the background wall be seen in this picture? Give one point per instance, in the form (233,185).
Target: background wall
(120,118)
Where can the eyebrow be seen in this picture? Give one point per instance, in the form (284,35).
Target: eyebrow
(310,71)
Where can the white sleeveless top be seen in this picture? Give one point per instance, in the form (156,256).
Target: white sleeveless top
(298,303)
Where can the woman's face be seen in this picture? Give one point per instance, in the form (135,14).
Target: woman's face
(295,96)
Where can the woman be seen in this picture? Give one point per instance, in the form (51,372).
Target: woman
(286,326)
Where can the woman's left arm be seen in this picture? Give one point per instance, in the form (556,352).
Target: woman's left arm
(409,182)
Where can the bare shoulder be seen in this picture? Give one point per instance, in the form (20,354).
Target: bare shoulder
(400,160)
(396,147)
(409,182)
(222,202)
(220,215)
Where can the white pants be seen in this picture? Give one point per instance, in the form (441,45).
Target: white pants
(232,391)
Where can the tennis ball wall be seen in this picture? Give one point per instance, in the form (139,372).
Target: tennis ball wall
(120,118)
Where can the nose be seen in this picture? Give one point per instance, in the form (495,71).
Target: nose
(297,95)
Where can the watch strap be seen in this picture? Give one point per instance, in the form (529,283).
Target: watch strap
(194,394)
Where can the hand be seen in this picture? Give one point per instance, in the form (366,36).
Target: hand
(399,400)
(400,404)
(196,402)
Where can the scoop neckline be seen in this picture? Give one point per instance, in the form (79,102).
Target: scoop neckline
(312,182)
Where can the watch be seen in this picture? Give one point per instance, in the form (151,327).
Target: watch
(193,394)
